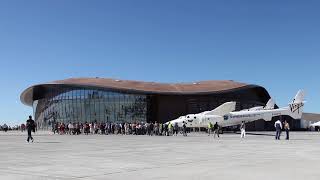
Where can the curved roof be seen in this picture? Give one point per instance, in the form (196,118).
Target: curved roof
(201,87)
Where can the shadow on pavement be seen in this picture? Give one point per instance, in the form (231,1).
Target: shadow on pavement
(47,142)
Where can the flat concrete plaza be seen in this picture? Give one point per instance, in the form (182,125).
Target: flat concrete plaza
(142,157)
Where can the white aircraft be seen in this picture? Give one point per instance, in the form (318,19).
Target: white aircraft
(315,124)
(225,116)
(270,105)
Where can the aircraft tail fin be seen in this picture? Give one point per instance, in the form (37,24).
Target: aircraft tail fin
(270,104)
(296,107)
(299,98)
(223,109)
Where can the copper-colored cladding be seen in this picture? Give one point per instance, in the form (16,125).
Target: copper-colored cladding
(196,87)
(143,87)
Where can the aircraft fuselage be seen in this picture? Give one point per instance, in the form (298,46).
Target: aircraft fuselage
(232,118)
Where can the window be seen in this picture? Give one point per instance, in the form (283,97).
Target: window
(81,105)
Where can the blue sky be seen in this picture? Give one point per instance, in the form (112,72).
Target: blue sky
(275,44)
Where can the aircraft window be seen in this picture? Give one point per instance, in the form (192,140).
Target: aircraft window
(195,117)
(188,117)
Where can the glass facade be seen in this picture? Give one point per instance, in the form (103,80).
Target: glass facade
(87,105)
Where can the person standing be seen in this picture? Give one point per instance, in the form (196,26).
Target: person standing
(5,127)
(77,127)
(56,128)
(166,133)
(70,127)
(175,129)
(170,129)
(86,128)
(91,128)
(278,126)
(160,129)
(287,129)
(216,130)
(156,128)
(243,129)
(30,127)
(210,128)
(151,128)
(53,126)
(184,128)
(23,127)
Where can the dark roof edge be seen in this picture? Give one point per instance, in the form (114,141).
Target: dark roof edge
(27,100)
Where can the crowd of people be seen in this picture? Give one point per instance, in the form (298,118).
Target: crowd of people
(157,129)
(279,126)
(124,128)
(6,128)
(142,128)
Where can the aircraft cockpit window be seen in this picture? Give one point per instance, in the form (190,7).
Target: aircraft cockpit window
(195,117)
(188,117)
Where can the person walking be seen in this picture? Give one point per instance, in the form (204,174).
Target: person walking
(278,126)
(30,127)
(243,129)
(216,130)
(287,129)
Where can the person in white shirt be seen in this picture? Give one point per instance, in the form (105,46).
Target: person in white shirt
(243,129)
(91,128)
(278,126)
(70,127)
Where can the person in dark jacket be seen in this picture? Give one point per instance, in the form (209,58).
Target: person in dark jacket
(216,130)
(184,127)
(151,129)
(175,129)
(30,127)
(166,133)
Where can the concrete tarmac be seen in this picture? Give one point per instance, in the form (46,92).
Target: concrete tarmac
(130,157)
